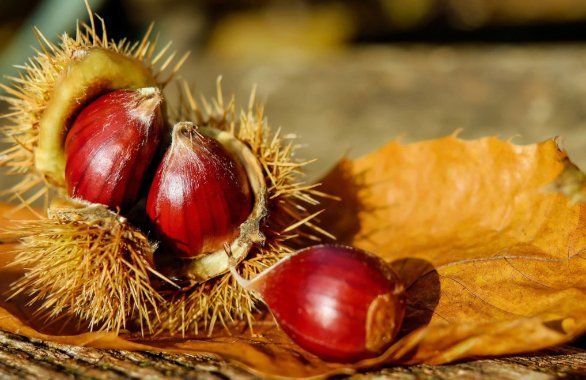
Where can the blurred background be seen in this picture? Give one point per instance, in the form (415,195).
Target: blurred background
(346,76)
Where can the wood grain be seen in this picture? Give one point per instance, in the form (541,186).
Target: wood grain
(25,358)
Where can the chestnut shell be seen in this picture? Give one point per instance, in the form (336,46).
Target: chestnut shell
(110,147)
(200,195)
(341,303)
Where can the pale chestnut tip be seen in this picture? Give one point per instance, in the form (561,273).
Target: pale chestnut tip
(149,100)
(209,190)
(186,134)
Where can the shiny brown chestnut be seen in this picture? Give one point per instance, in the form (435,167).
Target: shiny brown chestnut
(339,303)
(111,144)
(200,195)
(209,190)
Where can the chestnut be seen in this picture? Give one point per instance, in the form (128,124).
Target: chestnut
(208,191)
(200,194)
(110,146)
(339,303)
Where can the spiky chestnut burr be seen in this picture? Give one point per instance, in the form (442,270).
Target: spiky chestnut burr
(88,263)
(340,303)
(208,191)
(110,146)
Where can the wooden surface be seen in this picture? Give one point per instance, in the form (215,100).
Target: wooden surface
(21,357)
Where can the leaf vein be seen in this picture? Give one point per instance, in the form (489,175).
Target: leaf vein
(496,258)
(480,298)
(526,276)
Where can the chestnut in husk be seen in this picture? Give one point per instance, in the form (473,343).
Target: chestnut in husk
(208,191)
(200,194)
(111,144)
